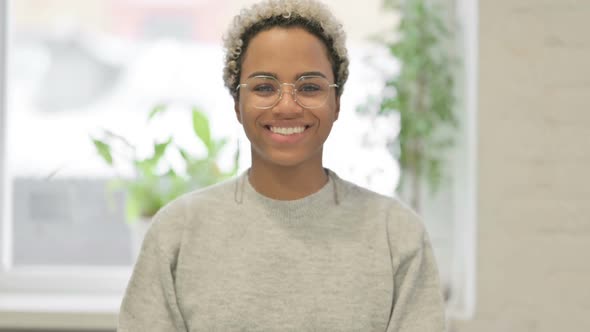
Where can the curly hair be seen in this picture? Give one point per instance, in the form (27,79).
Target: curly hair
(310,15)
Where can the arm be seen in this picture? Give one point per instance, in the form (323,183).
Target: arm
(150,302)
(418,304)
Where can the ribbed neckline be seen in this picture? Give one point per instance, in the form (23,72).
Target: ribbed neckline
(311,206)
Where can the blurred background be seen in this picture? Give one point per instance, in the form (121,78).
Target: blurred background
(508,222)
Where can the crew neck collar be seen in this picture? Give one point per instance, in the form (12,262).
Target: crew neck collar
(310,206)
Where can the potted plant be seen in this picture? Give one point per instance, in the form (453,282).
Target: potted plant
(155,182)
(422,94)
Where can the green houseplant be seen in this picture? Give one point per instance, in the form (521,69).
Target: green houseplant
(422,94)
(155,182)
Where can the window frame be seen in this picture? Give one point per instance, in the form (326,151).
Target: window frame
(3,172)
(463,271)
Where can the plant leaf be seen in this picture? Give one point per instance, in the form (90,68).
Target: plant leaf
(155,111)
(132,209)
(185,155)
(216,147)
(104,150)
(160,149)
(201,127)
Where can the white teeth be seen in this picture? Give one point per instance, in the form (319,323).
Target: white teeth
(287,131)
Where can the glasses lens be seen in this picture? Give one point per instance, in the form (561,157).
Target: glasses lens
(265,92)
(262,91)
(312,91)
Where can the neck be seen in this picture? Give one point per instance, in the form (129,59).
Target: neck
(287,182)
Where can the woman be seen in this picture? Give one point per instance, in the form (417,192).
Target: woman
(288,245)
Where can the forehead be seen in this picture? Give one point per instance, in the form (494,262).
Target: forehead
(287,52)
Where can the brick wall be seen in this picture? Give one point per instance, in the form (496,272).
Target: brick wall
(534,162)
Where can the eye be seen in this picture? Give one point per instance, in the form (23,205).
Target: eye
(264,89)
(309,89)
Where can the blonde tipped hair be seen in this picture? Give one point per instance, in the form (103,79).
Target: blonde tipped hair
(311,15)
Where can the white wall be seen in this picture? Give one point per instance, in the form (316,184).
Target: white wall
(534,157)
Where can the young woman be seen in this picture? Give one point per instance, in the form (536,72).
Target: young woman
(288,245)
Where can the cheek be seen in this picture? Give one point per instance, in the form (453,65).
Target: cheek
(248,117)
(333,110)
(326,123)
(329,126)
(242,113)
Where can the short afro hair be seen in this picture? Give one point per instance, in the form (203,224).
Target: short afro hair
(310,15)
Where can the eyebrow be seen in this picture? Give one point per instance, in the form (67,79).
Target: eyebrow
(312,73)
(307,73)
(262,73)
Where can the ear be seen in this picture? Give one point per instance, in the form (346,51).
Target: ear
(237,109)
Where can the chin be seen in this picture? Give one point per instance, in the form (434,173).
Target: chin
(290,158)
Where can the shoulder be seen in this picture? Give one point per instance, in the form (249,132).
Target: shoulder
(170,222)
(210,197)
(404,228)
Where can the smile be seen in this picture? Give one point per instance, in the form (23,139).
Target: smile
(286,131)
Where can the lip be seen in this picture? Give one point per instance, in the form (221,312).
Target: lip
(287,139)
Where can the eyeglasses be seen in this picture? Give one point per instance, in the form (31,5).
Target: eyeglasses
(264,92)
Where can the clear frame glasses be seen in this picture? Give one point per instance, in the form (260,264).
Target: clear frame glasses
(265,92)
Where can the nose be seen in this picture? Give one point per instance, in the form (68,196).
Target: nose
(287,100)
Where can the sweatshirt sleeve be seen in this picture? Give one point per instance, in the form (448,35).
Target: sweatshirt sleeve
(418,303)
(150,301)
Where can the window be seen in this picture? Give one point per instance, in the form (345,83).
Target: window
(74,68)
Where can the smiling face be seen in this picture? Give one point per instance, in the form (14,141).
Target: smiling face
(287,134)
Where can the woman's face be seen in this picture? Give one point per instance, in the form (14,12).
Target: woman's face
(287,54)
